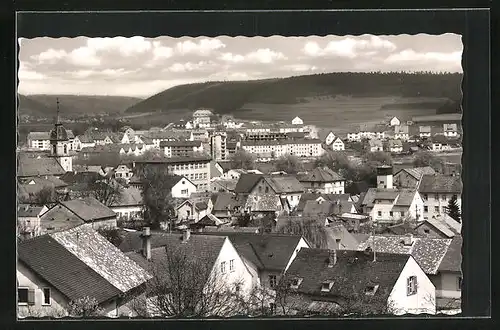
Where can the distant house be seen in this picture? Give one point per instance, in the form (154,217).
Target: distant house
(450,130)
(130,205)
(392,205)
(434,228)
(193,211)
(375,145)
(287,187)
(124,172)
(395,146)
(436,191)
(402,132)
(225,205)
(28,219)
(338,144)
(261,205)
(226,266)
(342,282)
(297,121)
(181,148)
(410,177)
(57,268)
(41,140)
(73,213)
(353,137)
(330,138)
(424,131)
(201,118)
(394,121)
(221,185)
(335,198)
(442,143)
(323,180)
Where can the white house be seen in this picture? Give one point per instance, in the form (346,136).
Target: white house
(28,218)
(130,205)
(394,121)
(338,144)
(276,149)
(201,118)
(326,279)
(395,146)
(375,145)
(55,269)
(330,138)
(228,269)
(402,132)
(297,121)
(181,187)
(193,210)
(324,181)
(450,130)
(124,172)
(353,137)
(424,131)
(437,191)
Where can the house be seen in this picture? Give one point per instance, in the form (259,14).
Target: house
(437,191)
(225,268)
(326,208)
(232,174)
(277,148)
(424,131)
(225,205)
(246,182)
(30,167)
(181,148)
(266,204)
(28,220)
(305,197)
(395,146)
(450,130)
(410,177)
(394,121)
(389,204)
(192,210)
(402,132)
(55,269)
(68,214)
(343,282)
(41,140)
(124,172)
(443,143)
(323,180)
(201,118)
(330,138)
(434,228)
(221,185)
(287,187)
(130,204)
(375,145)
(181,187)
(267,255)
(353,137)
(297,121)
(209,220)
(439,258)
(338,144)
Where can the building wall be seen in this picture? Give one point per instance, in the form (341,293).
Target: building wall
(404,180)
(313,149)
(196,172)
(417,207)
(30,224)
(301,245)
(447,285)
(183,189)
(437,206)
(324,188)
(330,138)
(108,223)
(338,145)
(427,230)
(128,211)
(424,301)
(185,212)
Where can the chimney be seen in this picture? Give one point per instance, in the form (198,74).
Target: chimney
(408,239)
(332,258)
(186,234)
(146,243)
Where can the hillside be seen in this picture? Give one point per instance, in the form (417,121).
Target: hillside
(232,96)
(44,105)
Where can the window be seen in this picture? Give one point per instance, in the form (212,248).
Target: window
(391,213)
(426,231)
(326,286)
(411,285)
(379,213)
(25,296)
(436,196)
(267,189)
(223,267)
(272,281)
(184,192)
(402,214)
(231,265)
(436,208)
(295,282)
(459,282)
(426,197)
(46,296)
(426,209)
(371,289)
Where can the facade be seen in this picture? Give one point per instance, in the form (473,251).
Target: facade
(338,144)
(375,145)
(41,140)
(395,146)
(437,191)
(450,130)
(298,148)
(297,121)
(395,121)
(287,187)
(218,146)
(181,148)
(424,131)
(183,188)
(324,181)
(402,132)
(124,172)
(130,205)
(201,118)
(330,138)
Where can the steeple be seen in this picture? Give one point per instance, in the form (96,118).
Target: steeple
(57,111)
(59,132)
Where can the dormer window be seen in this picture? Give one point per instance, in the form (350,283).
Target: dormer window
(295,282)
(370,290)
(326,286)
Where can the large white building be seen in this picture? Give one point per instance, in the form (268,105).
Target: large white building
(218,146)
(201,118)
(437,191)
(298,148)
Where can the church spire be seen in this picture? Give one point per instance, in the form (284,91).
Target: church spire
(57,111)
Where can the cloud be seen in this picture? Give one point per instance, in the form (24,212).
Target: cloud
(161,52)
(50,56)
(300,67)
(84,56)
(263,56)
(203,47)
(409,55)
(107,73)
(125,46)
(349,47)
(25,73)
(230,57)
(189,67)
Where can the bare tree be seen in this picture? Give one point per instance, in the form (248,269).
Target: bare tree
(107,191)
(84,307)
(310,228)
(289,164)
(44,196)
(242,159)
(184,285)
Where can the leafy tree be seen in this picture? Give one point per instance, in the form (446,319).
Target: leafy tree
(113,235)
(453,210)
(107,191)
(289,164)
(311,229)
(242,159)
(84,307)
(426,158)
(157,196)
(46,195)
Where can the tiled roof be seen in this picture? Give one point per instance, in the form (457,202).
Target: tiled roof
(402,129)
(246,182)
(30,166)
(428,252)
(39,136)
(440,184)
(210,220)
(164,144)
(375,143)
(452,260)
(266,251)
(424,129)
(81,177)
(284,184)
(326,208)
(314,196)
(395,143)
(441,226)
(89,209)
(338,231)
(228,184)
(130,196)
(418,172)
(263,203)
(80,262)
(26,210)
(353,272)
(400,197)
(227,229)
(227,201)
(320,174)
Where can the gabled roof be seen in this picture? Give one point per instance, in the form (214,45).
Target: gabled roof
(130,196)
(31,166)
(314,196)
(320,174)
(210,220)
(284,184)
(89,209)
(29,211)
(375,143)
(400,197)
(353,272)
(79,262)
(265,251)
(227,201)
(246,182)
(427,252)
(326,208)
(418,172)
(452,260)
(439,226)
(440,184)
(402,129)
(80,177)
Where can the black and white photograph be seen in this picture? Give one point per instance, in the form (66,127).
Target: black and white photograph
(232,176)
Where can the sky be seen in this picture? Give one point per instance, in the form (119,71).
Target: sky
(142,67)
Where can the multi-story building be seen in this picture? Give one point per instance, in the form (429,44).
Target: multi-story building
(298,148)
(436,191)
(41,140)
(181,148)
(218,146)
(201,118)
(196,168)
(169,136)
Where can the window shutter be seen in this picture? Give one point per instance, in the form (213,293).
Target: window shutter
(31,297)
(408,286)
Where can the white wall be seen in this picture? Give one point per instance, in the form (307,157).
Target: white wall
(417,207)
(424,301)
(183,189)
(441,203)
(128,211)
(302,244)
(447,286)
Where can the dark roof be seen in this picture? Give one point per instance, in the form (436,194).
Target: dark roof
(175,160)
(26,210)
(284,184)
(400,197)
(353,272)
(246,182)
(80,177)
(452,260)
(226,166)
(418,172)
(314,196)
(265,251)
(31,166)
(440,184)
(320,174)
(80,262)
(227,201)
(89,209)
(357,188)
(180,144)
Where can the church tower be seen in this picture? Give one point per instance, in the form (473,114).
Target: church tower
(60,144)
